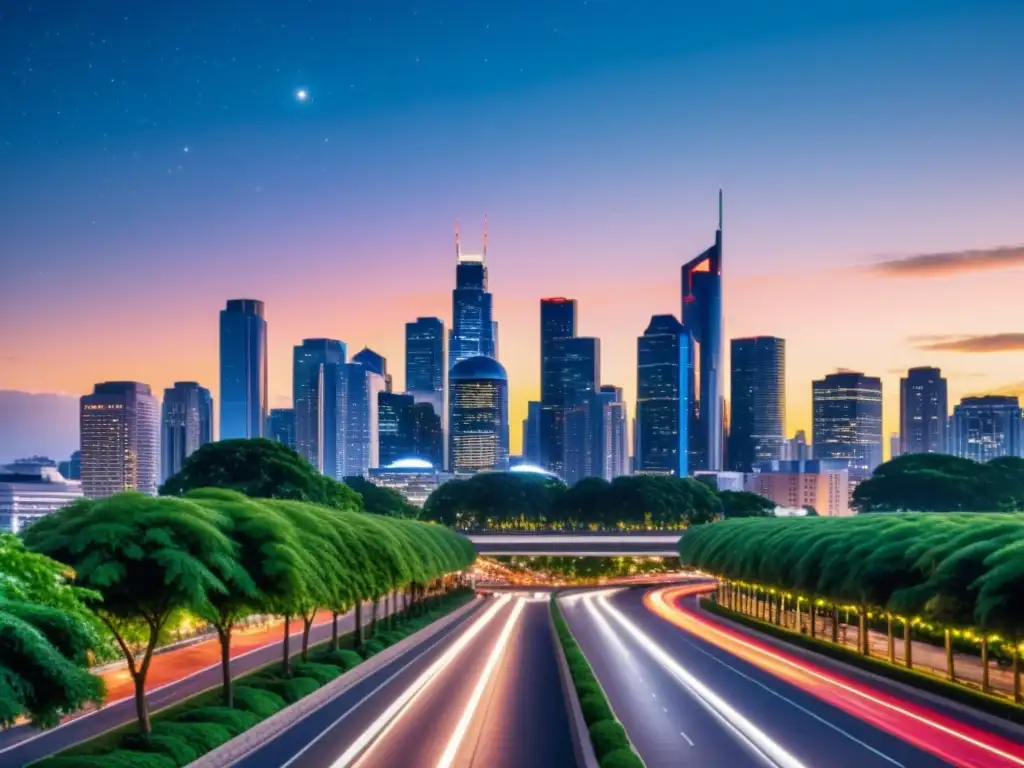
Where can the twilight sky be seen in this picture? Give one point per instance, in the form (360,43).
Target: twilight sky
(156,162)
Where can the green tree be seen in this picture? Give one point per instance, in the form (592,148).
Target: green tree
(745,504)
(932,482)
(146,557)
(378,500)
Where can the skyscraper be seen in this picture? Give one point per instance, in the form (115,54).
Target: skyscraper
(702,317)
(473,327)
(376,362)
(318,394)
(531,433)
(362,432)
(243,369)
(987,427)
(613,441)
(664,380)
(848,421)
(757,401)
(478,425)
(395,422)
(186,424)
(578,370)
(924,412)
(281,426)
(120,435)
(425,361)
(427,435)
(557,322)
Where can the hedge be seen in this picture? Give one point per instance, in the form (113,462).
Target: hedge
(345,659)
(322,673)
(607,736)
(261,703)
(119,758)
(236,721)
(293,689)
(179,750)
(621,758)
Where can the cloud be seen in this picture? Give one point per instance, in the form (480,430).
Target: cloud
(949,263)
(994,342)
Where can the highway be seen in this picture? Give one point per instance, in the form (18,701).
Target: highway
(691,691)
(485,693)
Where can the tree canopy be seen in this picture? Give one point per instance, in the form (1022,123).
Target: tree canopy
(745,504)
(931,482)
(378,500)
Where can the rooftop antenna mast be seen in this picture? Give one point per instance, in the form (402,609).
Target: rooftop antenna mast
(719,208)
(485,236)
(457,254)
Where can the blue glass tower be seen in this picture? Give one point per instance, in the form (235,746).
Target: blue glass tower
(318,392)
(664,383)
(243,369)
(473,328)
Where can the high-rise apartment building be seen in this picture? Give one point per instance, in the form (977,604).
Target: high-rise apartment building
(702,318)
(243,369)
(186,424)
(924,412)
(281,426)
(120,434)
(362,432)
(987,427)
(478,424)
(578,370)
(425,361)
(318,394)
(757,402)
(664,382)
(847,421)
(822,485)
(473,327)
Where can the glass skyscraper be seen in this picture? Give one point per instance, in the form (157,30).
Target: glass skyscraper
(613,440)
(281,426)
(702,317)
(425,361)
(557,322)
(924,412)
(577,371)
(478,425)
(318,394)
(757,402)
(664,381)
(847,421)
(243,369)
(987,427)
(362,431)
(120,435)
(473,328)
(186,424)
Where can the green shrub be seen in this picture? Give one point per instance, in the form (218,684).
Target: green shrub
(388,638)
(607,736)
(262,678)
(621,758)
(584,687)
(236,721)
(322,673)
(294,689)
(345,659)
(595,708)
(120,758)
(261,703)
(370,647)
(180,751)
(203,736)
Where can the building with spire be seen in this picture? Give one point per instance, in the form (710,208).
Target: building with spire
(473,329)
(702,317)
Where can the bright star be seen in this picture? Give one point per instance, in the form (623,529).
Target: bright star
(302,94)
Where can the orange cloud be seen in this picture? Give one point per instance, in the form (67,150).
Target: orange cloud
(950,262)
(994,342)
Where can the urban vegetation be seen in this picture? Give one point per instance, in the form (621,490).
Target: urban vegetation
(608,737)
(378,500)
(526,501)
(932,482)
(583,571)
(957,576)
(136,560)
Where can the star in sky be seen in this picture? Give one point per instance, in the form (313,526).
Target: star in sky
(302,94)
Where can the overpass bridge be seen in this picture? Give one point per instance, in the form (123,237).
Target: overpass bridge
(641,544)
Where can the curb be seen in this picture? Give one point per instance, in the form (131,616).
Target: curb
(581,744)
(239,747)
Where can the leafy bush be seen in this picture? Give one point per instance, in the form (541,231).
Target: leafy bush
(345,659)
(322,673)
(180,751)
(203,736)
(584,687)
(120,758)
(387,638)
(595,708)
(607,736)
(261,703)
(370,647)
(621,758)
(236,721)
(294,689)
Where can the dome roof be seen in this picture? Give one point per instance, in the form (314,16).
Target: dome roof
(531,469)
(477,368)
(411,464)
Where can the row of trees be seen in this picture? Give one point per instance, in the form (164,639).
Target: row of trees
(525,501)
(962,572)
(224,556)
(931,482)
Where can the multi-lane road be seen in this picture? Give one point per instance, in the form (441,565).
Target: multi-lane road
(691,690)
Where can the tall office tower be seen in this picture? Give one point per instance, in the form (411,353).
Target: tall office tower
(395,422)
(531,433)
(473,328)
(72,468)
(987,427)
(318,395)
(424,361)
(613,440)
(478,425)
(557,321)
(375,362)
(120,434)
(797,448)
(924,412)
(757,401)
(186,424)
(847,414)
(281,426)
(579,373)
(664,381)
(362,431)
(702,318)
(427,435)
(243,369)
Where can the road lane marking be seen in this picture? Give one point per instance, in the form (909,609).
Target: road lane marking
(688,739)
(448,757)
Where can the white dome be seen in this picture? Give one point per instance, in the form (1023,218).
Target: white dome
(410,464)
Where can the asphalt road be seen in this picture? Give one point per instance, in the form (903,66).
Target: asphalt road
(485,693)
(24,744)
(718,710)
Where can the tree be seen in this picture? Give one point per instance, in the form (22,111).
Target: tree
(378,500)
(146,557)
(261,469)
(47,638)
(745,504)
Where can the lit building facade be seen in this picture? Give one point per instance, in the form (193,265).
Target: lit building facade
(319,396)
(702,317)
(987,427)
(375,362)
(478,424)
(31,490)
(395,422)
(473,327)
(281,426)
(924,412)
(119,426)
(664,382)
(425,361)
(823,485)
(557,322)
(415,479)
(613,440)
(757,401)
(186,423)
(847,421)
(797,448)
(362,431)
(243,369)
